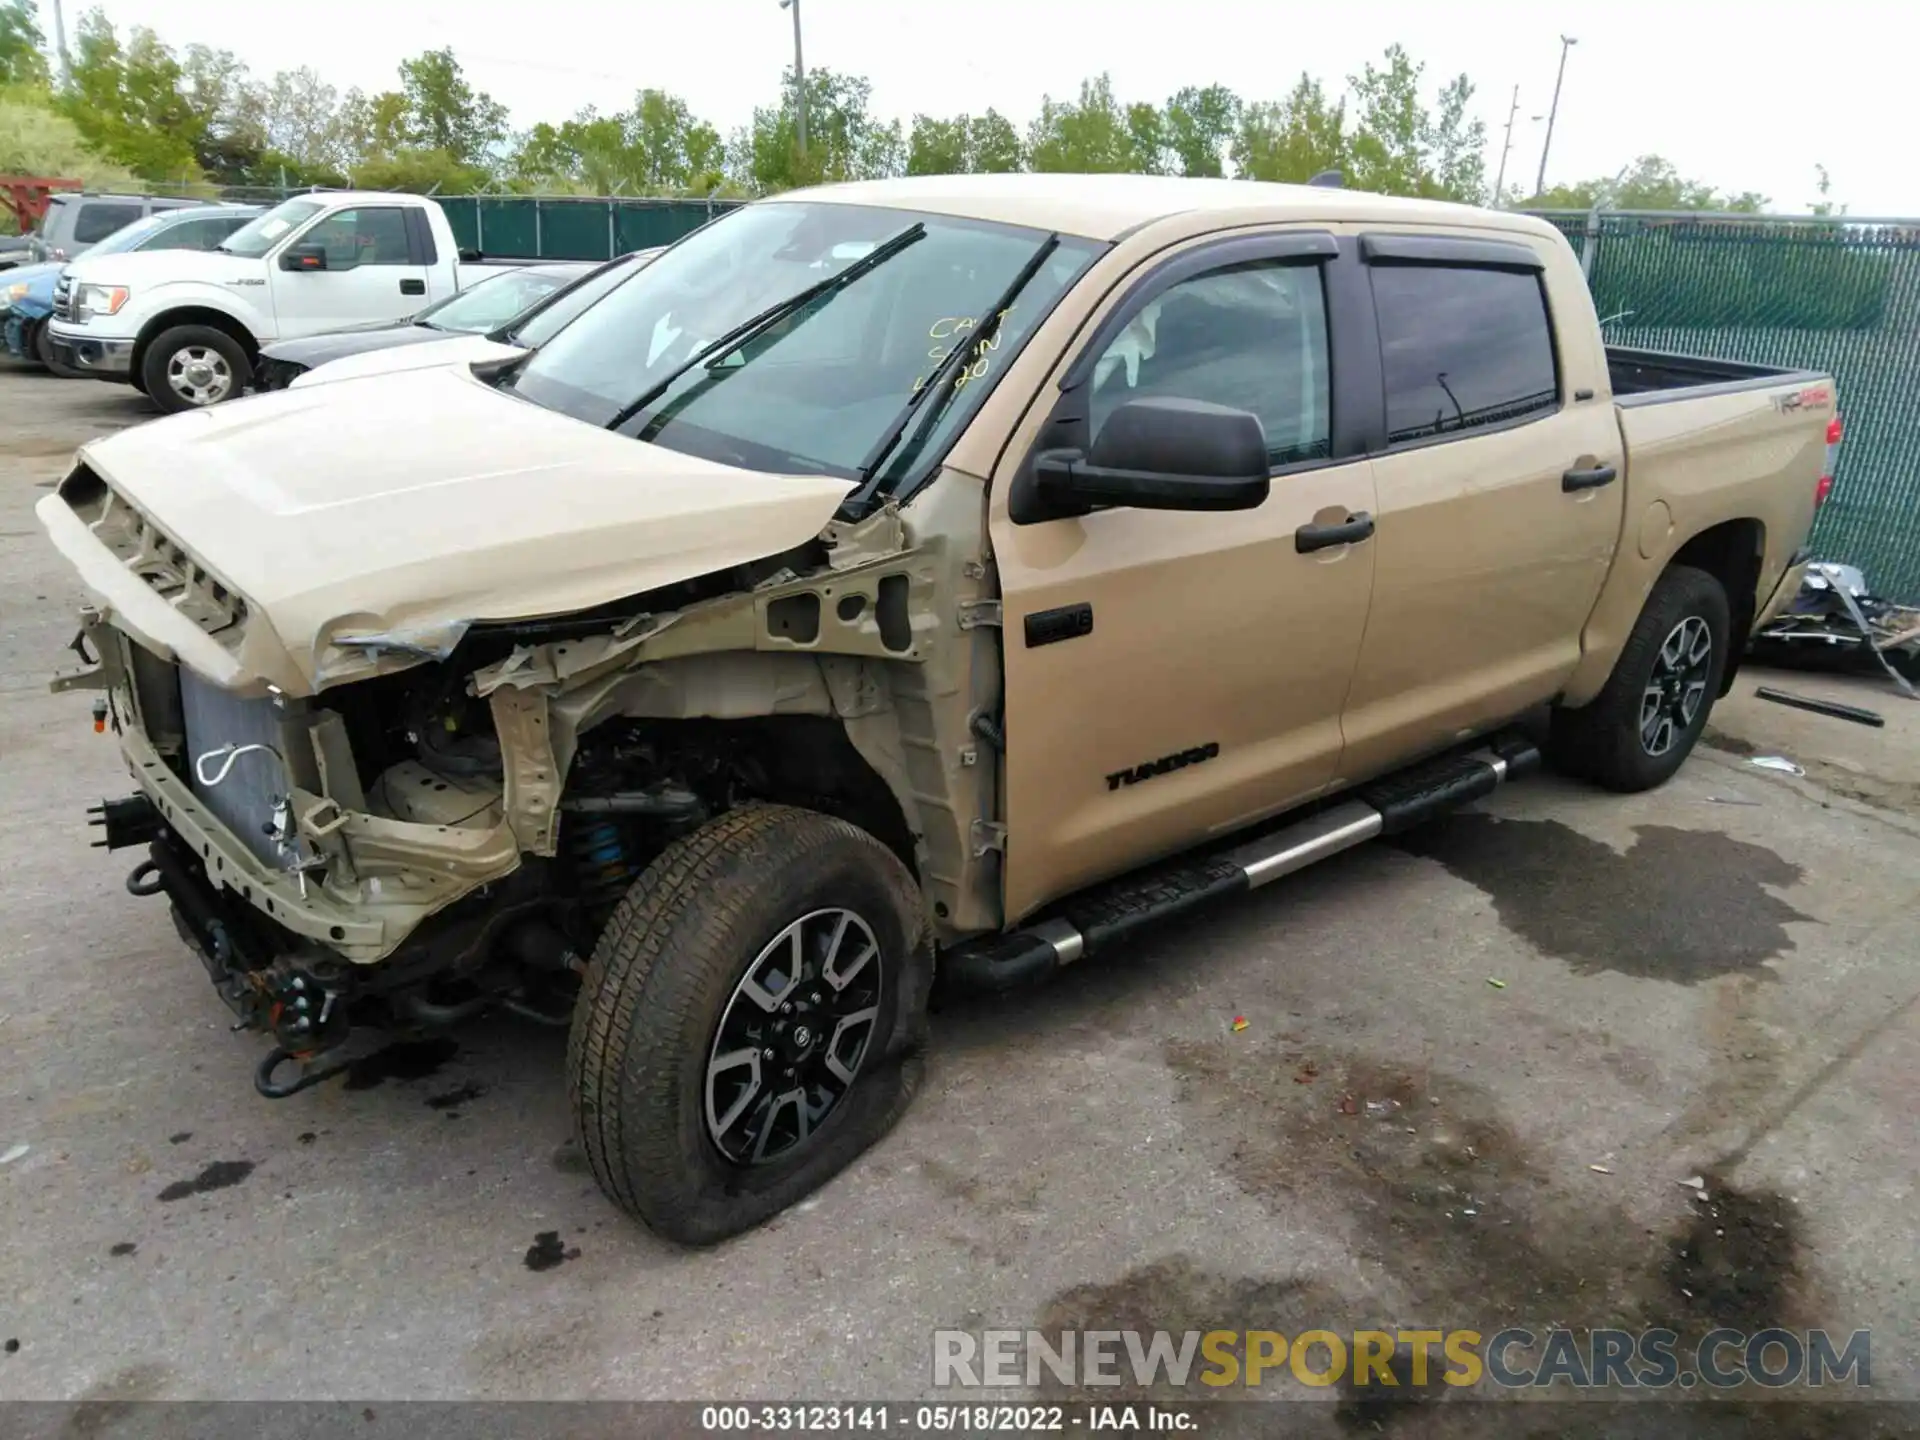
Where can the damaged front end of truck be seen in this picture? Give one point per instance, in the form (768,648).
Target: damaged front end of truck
(368,829)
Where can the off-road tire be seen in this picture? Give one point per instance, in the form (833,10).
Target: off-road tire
(660,980)
(40,346)
(168,343)
(1601,741)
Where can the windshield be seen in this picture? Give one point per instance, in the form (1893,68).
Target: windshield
(262,233)
(817,390)
(554,318)
(492,302)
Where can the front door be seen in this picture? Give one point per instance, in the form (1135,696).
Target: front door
(1500,495)
(1174,675)
(371,274)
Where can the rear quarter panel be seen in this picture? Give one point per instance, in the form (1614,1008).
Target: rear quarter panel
(1697,461)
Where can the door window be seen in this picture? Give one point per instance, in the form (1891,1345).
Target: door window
(1463,349)
(1253,337)
(352,238)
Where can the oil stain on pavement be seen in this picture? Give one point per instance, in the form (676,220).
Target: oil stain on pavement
(1680,905)
(220,1175)
(1462,1226)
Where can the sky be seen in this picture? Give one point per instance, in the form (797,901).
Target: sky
(1743,96)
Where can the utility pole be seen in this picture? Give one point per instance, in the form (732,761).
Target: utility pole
(1567,42)
(799,76)
(60,45)
(1500,181)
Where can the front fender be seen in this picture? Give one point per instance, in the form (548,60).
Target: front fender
(145,316)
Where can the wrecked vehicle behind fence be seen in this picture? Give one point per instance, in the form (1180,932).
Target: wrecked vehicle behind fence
(697,678)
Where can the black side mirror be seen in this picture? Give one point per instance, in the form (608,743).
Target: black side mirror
(304,257)
(1162,453)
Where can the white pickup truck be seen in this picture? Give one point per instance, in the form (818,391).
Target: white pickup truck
(186,327)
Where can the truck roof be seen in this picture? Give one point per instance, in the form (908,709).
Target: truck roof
(1104,207)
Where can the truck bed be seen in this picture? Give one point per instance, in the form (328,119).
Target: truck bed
(1651,377)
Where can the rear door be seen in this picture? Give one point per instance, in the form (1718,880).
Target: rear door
(1210,642)
(372,273)
(1500,495)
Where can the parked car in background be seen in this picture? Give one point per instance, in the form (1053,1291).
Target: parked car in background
(186,328)
(75,222)
(389,350)
(15,250)
(481,309)
(31,290)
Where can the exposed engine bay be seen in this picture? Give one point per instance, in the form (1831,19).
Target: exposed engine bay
(473,820)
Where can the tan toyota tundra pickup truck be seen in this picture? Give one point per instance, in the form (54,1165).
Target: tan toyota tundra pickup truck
(922,579)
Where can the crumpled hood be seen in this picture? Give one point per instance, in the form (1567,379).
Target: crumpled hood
(387,352)
(410,505)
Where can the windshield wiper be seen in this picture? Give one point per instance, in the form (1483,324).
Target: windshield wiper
(771,316)
(946,377)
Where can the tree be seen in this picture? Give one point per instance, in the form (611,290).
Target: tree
(35,139)
(966,144)
(127,101)
(658,146)
(444,112)
(302,124)
(1200,124)
(1651,182)
(22,62)
(1293,139)
(1090,136)
(995,147)
(1457,146)
(845,140)
(1824,186)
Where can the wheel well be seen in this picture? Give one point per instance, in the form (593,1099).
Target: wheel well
(193,315)
(801,760)
(1731,552)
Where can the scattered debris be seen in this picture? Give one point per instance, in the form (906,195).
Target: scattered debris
(1349,1105)
(1599,1169)
(125,1247)
(1496,984)
(14,1152)
(1306,1074)
(1239,1023)
(180,1137)
(1730,800)
(1692,1182)
(1776,762)
(1835,618)
(1380,1109)
(1834,708)
(12,1347)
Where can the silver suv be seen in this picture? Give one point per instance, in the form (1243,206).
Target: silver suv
(75,222)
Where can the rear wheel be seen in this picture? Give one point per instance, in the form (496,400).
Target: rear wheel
(192,366)
(1642,726)
(752,1020)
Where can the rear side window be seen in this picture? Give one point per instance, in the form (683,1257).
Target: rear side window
(1253,337)
(1463,348)
(99,219)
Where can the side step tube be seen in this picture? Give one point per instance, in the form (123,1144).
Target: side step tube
(1095,919)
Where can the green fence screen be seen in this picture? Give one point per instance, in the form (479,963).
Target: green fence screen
(1827,294)
(569,228)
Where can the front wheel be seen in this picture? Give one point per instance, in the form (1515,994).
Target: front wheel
(1644,723)
(192,366)
(753,1018)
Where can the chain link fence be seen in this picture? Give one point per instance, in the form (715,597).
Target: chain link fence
(1826,293)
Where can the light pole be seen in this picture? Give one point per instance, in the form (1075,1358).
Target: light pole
(799,76)
(1500,181)
(1567,42)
